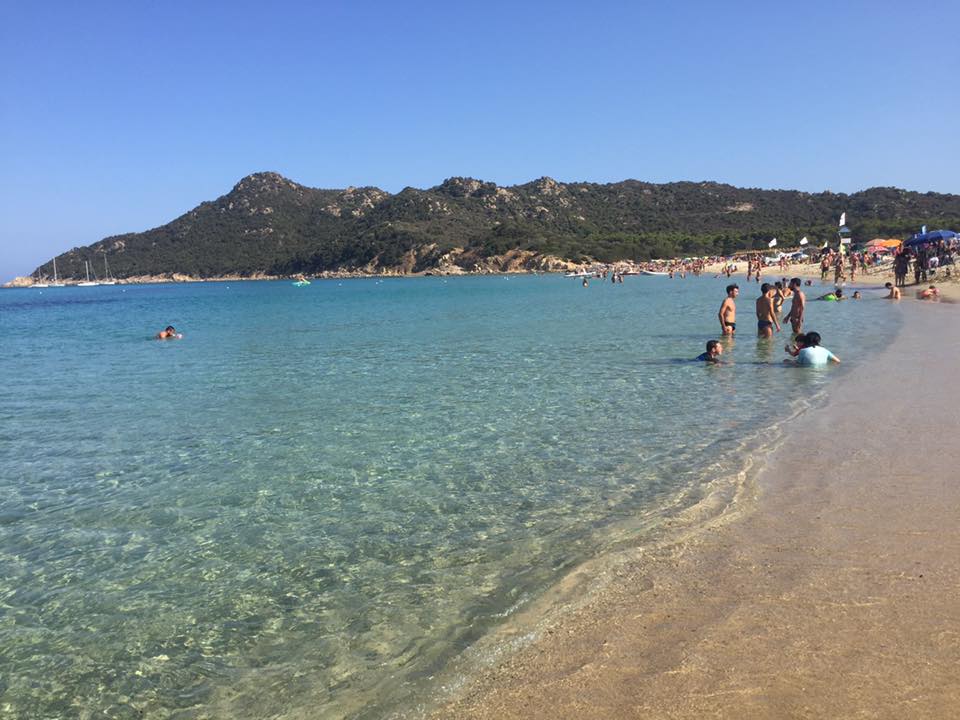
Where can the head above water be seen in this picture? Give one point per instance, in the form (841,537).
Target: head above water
(169,329)
(795,283)
(812,339)
(765,288)
(714,347)
(732,289)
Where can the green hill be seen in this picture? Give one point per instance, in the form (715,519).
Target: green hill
(270,225)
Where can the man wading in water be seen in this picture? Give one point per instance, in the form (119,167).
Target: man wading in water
(797,306)
(728,311)
(766,313)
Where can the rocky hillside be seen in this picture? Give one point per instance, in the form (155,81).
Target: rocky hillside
(269,225)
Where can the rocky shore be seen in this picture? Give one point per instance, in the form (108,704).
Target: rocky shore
(452,263)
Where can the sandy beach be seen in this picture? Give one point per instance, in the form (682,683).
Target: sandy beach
(831,592)
(949,287)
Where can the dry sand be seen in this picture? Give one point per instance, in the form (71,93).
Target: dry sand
(835,595)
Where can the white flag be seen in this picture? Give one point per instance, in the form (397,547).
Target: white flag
(803,240)
(772,243)
(843,219)
(923,230)
(824,245)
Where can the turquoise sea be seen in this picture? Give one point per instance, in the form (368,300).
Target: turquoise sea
(321,496)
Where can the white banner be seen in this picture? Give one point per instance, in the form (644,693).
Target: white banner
(772,243)
(845,241)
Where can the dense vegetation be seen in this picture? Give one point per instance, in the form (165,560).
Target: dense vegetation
(268,224)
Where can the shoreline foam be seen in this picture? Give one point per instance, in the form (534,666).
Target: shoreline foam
(830,600)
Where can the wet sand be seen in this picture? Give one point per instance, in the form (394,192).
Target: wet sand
(835,594)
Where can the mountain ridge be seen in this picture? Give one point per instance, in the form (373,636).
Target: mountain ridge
(270,225)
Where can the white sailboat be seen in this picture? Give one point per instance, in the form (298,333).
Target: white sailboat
(106,273)
(88,282)
(56,281)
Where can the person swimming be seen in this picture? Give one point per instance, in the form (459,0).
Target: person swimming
(169,333)
(713,353)
(835,296)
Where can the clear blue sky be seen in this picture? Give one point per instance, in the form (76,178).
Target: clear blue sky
(120,116)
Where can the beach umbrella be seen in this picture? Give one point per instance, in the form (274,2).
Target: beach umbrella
(930,237)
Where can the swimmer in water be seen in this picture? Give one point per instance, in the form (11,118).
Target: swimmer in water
(713,353)
(169,333)
(894,292)
(931,293)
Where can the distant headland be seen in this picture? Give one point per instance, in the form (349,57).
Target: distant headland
(270,227)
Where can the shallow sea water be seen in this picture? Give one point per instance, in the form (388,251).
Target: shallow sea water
(320,496)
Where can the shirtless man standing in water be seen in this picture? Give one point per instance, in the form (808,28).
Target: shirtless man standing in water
(798,305)
(766,314)
(728,311)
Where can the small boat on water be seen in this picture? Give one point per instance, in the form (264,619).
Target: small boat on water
(56,281)
(301,283)
(89,282)
(653,272)
(581,274)
(106,273)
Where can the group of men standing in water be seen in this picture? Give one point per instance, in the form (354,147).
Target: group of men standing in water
(806,348)
(769,306)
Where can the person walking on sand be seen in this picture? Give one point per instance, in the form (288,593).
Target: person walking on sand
(798,306)
(766,314)
(728,311)
(901,264)
(839,276)
(894,292)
